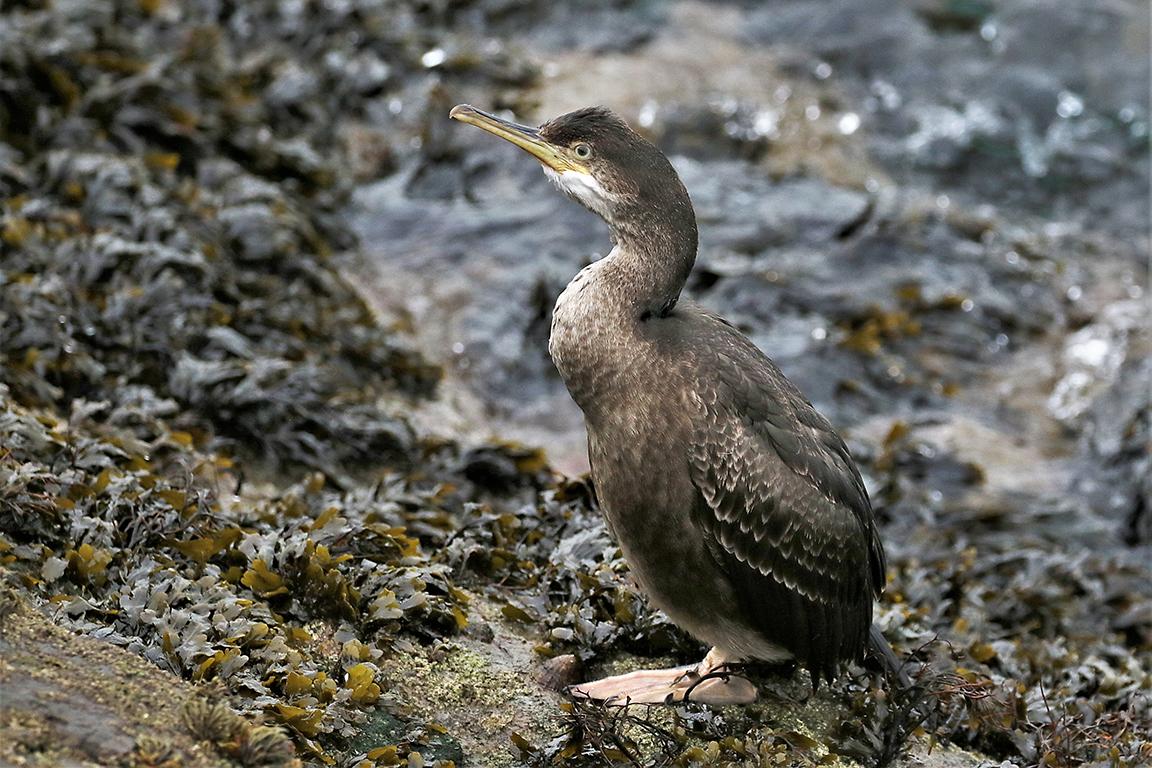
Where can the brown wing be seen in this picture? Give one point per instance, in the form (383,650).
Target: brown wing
(783,505)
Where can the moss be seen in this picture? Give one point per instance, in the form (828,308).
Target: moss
(460,686)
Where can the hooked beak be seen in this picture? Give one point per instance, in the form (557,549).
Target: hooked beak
(523,136)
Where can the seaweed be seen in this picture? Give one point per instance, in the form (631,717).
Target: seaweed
(208,455)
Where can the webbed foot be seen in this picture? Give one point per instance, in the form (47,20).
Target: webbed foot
(709,682)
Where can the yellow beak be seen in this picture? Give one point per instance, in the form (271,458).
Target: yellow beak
(527,138)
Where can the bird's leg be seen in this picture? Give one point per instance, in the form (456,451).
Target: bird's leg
(715,682)
(709,682)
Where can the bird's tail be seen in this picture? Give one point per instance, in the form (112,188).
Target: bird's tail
(880,651)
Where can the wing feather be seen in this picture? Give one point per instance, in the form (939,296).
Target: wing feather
(784,506)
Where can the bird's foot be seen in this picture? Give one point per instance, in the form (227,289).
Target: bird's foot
(712,681)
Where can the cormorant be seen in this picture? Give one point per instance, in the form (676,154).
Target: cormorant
(735,503)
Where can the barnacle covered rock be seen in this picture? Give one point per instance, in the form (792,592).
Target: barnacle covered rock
(212,721)
(263,746)
(154,752)
(75,700)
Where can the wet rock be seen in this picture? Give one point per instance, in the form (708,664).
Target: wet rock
(598,26)
(1001,116)
(1115,438)
(790,212)
(955,15)
(1091,361)
(559,672)
(77,701)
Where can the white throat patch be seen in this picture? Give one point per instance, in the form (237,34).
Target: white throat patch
(583,187)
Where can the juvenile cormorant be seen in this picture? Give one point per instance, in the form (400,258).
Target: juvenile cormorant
(736,505)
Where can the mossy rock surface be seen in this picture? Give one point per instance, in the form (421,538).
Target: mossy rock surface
(68,700)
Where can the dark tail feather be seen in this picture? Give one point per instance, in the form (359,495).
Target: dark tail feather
(881,652)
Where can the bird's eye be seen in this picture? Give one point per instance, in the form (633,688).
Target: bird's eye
(583,151)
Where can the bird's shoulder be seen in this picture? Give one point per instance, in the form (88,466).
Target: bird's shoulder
(737,383)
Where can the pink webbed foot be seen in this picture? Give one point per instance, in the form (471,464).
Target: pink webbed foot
(709,682)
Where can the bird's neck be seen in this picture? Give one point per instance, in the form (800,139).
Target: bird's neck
(599,319)
(652,259)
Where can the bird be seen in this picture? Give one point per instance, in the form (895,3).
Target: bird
(737,506)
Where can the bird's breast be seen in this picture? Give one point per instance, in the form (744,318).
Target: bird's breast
(592,341)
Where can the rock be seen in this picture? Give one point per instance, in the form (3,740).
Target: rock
(69,700)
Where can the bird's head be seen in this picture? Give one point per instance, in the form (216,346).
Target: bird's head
(597,160)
